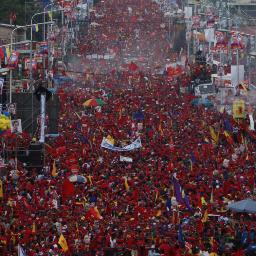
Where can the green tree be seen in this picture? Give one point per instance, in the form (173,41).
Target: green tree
(24,9)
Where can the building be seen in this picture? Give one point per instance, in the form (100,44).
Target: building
(5,34)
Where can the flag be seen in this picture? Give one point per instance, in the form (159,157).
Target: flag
(8,52)
(50,15)
(5,54)
(67,189)
(228,138)
(34,228)
(192,157)
(120,113)
(97,213)
(177,191)
(203,202)
(35,28)
(83,139)
(54,170)
(2,53)
(191,165)
(133,66)
(244,237)
(181,237)
(90,179)
(186,201)
(63,243)
(215,137)
(60,151)
(168,204)
(188,245)
(1,189)
(126,184)
(160,129)
(21,251)
(3,240)
(228,126)
(110,140)
(212,199)
(156,197)
(159,213)
(205,217)
(93,213)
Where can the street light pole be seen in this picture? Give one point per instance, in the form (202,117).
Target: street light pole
(45,8)
(31,37)
(11,48)
(44,36)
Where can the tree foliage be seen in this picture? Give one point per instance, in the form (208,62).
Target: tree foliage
(23,9)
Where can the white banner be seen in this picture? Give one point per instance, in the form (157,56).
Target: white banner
(134,145)
(188,12)
(209,35)
(242,2)
(251,123)
(126,159)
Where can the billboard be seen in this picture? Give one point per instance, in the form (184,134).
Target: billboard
(242,2)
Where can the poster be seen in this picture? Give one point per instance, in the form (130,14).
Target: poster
(238,109)
(13,60)
(11,108)
(16,126)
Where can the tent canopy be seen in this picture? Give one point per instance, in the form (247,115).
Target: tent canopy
(201,101)
(247,205)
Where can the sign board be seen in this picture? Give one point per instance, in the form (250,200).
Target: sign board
(242,2)
(188,12)
(238,109)
(237,74)
(205,89)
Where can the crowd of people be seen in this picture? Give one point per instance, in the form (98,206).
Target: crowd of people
(165,196)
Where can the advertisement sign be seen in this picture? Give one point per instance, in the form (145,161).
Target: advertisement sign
(13,60)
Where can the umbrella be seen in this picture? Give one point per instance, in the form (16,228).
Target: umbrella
(247,205)
(200,101)
(77,178)
(93,103)
(138,116)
